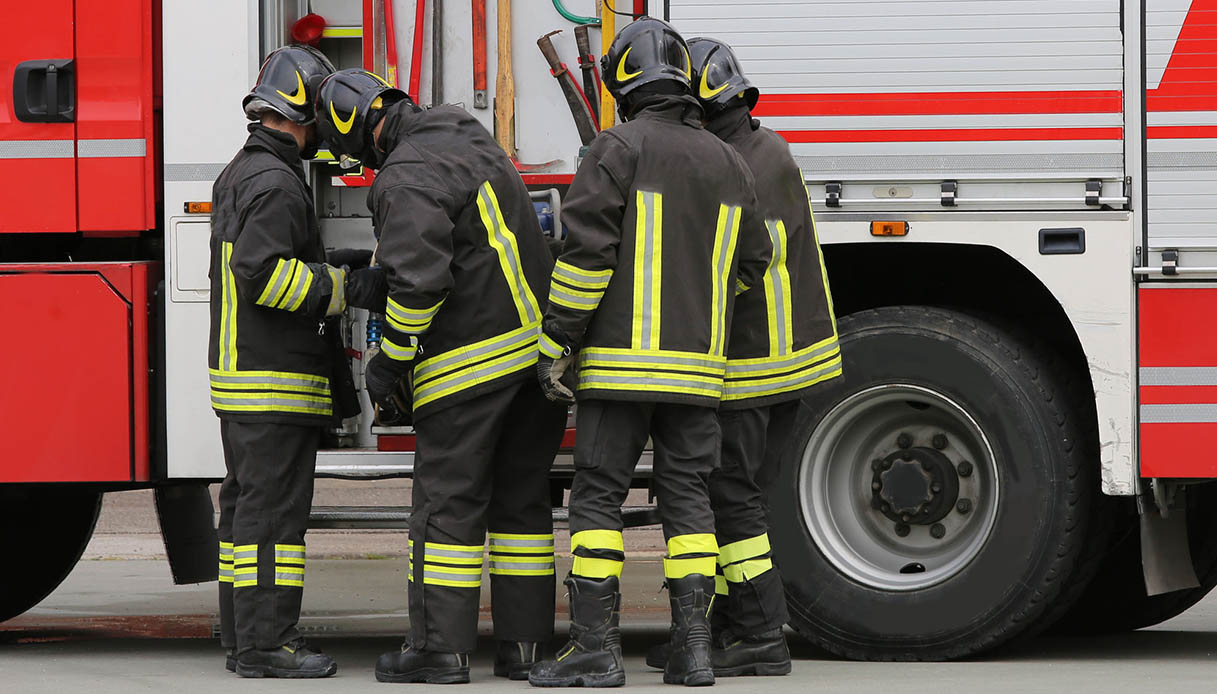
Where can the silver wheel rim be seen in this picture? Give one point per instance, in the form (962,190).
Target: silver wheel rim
(841,462)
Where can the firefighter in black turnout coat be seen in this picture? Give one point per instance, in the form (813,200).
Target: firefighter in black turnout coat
(277,374)
(662,233)
(783,342)
(467,266)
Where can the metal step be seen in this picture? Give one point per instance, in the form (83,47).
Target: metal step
(398,517)
(368,464)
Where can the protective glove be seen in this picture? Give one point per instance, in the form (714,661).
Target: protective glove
(353,258)
(557,378)
(385,380)
(368,288)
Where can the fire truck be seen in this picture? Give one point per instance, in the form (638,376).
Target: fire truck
(1017,202)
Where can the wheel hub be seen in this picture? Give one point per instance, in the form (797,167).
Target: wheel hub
(916,485)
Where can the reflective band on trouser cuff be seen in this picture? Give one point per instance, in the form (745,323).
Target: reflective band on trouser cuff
(269,380)
(521,543)
(749,548)
(291,576)
(726,235)
(678,567)
(503,240)
(411,321)
(245,577)
(450,576)
(550,348)
(591,567)
(747,570)
(518,354)
(522,554)
(289,554)
(228,311)
(598,539)
(397,352)
(338,291)
(720,585)
(225,562)
(648,269)
(454,566)
(777,292)
(693,543)
(245,554)
(521,566)
(578,277)
(272,293)
(595,567)
(450,554)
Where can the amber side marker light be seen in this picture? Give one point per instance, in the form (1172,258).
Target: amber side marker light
(197,207)
(889,228)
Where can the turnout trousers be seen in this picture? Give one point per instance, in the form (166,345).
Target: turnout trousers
(612,436)
(264,506)
(754,441)
(484,464)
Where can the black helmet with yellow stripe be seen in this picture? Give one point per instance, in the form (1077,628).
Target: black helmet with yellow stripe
(350,103)
(718,79)
(646,51)
(287,84)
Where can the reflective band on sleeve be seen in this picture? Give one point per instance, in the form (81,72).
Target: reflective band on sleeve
(574,298)
(289,554)
(695,543)
(503,240)
(411,321)
(289,576)
(398,352)
(550,348)
(679,568)
(338,291)
(648,269)
(299,289)
(578,277)
(740,287)
(750,548)
(726,235)
(228,311)
(590,567)
(275,285)
(720,585)
(245,577)
(245,554)
(777,292)
(747,570)
(598,539)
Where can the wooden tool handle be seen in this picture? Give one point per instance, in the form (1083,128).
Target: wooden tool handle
(505,91)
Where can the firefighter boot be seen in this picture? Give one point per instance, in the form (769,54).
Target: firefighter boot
(293,660)
(688,663)
(657,655)
(592,658)
(230,659)
(413,665)
(760,654)
(515,658)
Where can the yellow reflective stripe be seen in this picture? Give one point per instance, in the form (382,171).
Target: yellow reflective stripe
(679,568)
(632,386)
(758,366)
(411,321)
(720,585)
(289,554)
(304,280)
(744,549)
(642,377)
(516,543)
(452,560)
(245,577)
(497,571)
(777,292)
(661,359)
(578,277)
(228,310)
(509,363)
(459,570)
(219,385)
(574,298)
(726,235)
(434,580)
(539,559)
(462,357)
(287,378)
(747,570)
(467,549)
(648,269)
(245,554)
(225,551)
(598,539)
(277,407)
(241,395)
(740,287)
(503,240)
(694,543)
(397,352)
(761,387)
(338,293)
(550,348)
(589,567)
(276,283)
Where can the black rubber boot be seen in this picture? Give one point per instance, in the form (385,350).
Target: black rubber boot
(294,660)
(760,654)
(514,659)
(657,656)
(230,659)
(689,658)
(431,667)
(592,657)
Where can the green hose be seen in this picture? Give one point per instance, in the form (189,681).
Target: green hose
(574,17)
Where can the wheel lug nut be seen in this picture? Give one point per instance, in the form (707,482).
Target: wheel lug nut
(904,440)
(902,530)
(937,531)
(964,468)
(905,517)
(939,441)
(936,488)
(876,486)
(963,505)
(886,508)
(876,464)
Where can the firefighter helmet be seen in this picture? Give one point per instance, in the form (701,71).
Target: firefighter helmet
(717,77)
(348,103)
(287,84)
(647,50)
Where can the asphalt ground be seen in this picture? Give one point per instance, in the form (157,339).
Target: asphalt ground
(117,625)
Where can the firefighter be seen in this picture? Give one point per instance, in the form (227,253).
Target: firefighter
(662,232)
(783,342)
(466,264)
(276,372)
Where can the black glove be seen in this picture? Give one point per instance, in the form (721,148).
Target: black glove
(352,258)
(385,380)
(368,288)
(557,378)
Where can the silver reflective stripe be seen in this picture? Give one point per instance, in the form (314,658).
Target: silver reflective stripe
(226,571)
(541,566)
(629,359)
(477,373)
(647,210)
(560,292)
(280,279)
(790,363)
(1178,375)
(745,387)
(471,579)
(271,403)
(193,171)
(576,276)
(288,554)
(547,543)
(89,149)
(1179,414)
(501,235)
(775,280)
(289,577)
(299,283)
(454,553)
(238,378)
(37,149)
(245,554)
(603,377)
(721,264)
(511,340)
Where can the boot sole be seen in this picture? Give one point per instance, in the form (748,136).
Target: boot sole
(754,669)
(426,676)
(259,671)
(616,679)
(697,678)
(657,664)
(516,673)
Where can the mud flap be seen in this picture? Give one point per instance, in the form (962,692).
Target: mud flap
(1166,557)
(187,520)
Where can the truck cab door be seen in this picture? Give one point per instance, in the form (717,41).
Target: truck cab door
(37,124)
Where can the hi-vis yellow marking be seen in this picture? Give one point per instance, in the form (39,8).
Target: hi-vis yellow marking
(299,97)
(704,89)
(344,126)
(622,75)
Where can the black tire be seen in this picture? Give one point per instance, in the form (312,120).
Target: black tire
(51,527)
(1116,601)
(1039,420)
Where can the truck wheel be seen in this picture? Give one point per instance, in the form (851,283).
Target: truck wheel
(1116,601)
(49,527)
(938,498)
